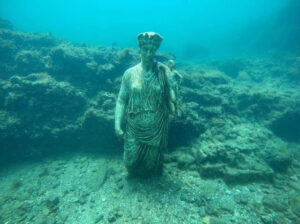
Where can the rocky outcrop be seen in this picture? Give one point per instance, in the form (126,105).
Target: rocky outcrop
(238,153)
(37,109)
(242,127)
(5,24)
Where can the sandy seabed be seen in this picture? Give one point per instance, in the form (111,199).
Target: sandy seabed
(86,188)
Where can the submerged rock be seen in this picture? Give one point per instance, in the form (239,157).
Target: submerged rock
(53,104)
(5,24)
(277,204)
(280,159)
(239,154)
(114,215)
(95,180)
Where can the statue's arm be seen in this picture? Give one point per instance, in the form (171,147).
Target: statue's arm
(172,100)
(174,82)
(120,106)
(171,93)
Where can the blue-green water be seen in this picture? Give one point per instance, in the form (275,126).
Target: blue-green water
(211,28)
(233,154)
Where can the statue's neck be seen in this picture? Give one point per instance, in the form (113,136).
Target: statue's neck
(147,64)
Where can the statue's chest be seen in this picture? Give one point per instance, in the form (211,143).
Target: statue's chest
(149,85)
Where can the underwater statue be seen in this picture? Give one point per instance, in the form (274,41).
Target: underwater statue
(145,102)
(175,79)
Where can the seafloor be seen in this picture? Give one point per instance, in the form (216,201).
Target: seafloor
(233,157)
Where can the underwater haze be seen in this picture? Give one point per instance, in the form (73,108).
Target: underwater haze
(191,28)
(233,152)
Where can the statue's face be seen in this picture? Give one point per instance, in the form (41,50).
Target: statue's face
(148,43)
(148,50)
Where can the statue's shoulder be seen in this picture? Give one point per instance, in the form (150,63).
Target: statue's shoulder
(131,71)
(162,67)
(164,70)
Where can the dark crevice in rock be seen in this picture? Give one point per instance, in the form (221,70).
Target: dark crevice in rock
(287,126)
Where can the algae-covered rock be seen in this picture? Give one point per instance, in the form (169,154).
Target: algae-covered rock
(231,67)
(5,24)
(32,97)
(275,203)
(97,126)
(30,61)
(262,173)
(183,159)
(38,108)
(215,220)
(238,153)
(280,159)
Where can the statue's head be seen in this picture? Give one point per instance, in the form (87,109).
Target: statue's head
(171,64)
(148,43)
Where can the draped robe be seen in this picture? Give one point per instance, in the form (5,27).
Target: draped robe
(147,100)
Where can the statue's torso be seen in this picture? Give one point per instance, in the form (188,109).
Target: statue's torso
(146,92)
(147,110)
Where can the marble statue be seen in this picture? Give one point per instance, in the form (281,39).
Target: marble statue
(145,102)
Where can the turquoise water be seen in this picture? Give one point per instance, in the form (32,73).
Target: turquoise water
(211,27)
